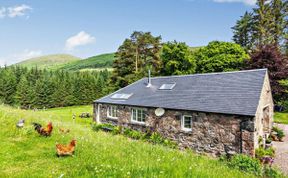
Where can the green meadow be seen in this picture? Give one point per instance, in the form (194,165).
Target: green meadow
(98,154)
(281,118)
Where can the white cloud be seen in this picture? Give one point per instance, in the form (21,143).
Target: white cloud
(247,2)
(18,10)
(2,12)
(82,38)
(26,54)
(15,11)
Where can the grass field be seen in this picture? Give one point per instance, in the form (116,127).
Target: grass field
(51,62)
(26,154)
(281,118)
(95,62)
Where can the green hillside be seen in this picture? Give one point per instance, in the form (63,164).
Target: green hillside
(95,62)
(49,61)
(97,154)
(195,49)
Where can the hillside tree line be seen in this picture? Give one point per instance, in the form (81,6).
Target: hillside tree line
(34,88)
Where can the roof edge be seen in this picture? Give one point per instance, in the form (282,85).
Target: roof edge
(144,106)
(212,73)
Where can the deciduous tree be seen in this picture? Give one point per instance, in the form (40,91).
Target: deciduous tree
(177,59)
(220,56)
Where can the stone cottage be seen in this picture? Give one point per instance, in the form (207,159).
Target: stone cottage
(216,113)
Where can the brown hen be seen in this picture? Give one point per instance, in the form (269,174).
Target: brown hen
(66,150)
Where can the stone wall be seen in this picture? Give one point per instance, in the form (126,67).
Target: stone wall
(216,134)
(266,101)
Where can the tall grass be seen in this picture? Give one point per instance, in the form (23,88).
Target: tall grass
(26,154)
(281,118)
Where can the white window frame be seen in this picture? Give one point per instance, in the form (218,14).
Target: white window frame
(136,120)
(109,109)
(183,123)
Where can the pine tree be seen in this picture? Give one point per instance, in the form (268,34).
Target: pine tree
(8,86)
(243,31)
(278,21)
(43,91)
(263,23)
(24,94)
(135,56)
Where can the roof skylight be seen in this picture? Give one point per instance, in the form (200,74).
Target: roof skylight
(123,96)
(167,86)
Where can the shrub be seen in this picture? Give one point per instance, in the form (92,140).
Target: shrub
(272,173)
(134,134)
(96,127)
(127,132)
(260,141)
(246,163)
(280,132)
(170,143)
(156,138)
(261,152)
(268,140)
(117,130)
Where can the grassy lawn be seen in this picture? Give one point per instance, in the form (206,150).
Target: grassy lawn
(281,118)
(26,154)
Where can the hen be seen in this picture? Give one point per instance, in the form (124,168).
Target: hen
(20,123)
(44,131)
(62,130)
(66,150)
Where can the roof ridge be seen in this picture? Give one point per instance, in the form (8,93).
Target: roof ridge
(213,73)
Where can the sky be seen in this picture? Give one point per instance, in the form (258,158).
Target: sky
(84,28)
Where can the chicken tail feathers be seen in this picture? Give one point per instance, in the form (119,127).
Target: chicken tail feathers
(37,126)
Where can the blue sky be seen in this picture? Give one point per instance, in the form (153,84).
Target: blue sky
(85,28)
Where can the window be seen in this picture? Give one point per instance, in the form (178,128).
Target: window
(186,123)
(112,112)
(167,86)
(138,115)
(123,96)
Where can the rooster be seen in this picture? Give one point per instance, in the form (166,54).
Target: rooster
(44,131)
(66,150)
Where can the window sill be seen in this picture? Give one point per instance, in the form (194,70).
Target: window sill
(138,123)
(113,118)
(186,130)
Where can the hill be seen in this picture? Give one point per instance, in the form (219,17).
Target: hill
(195,49)
(49,61)
(98,154)
(95,62)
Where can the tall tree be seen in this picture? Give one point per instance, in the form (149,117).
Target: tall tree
(263,23)
(243,31)
(135,56)
(8,83)
(285,11)
(270,57)
(278,20)
(220,56)
(43,90)
(24,96)
(177,59)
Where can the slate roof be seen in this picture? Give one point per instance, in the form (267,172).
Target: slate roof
(228,92)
